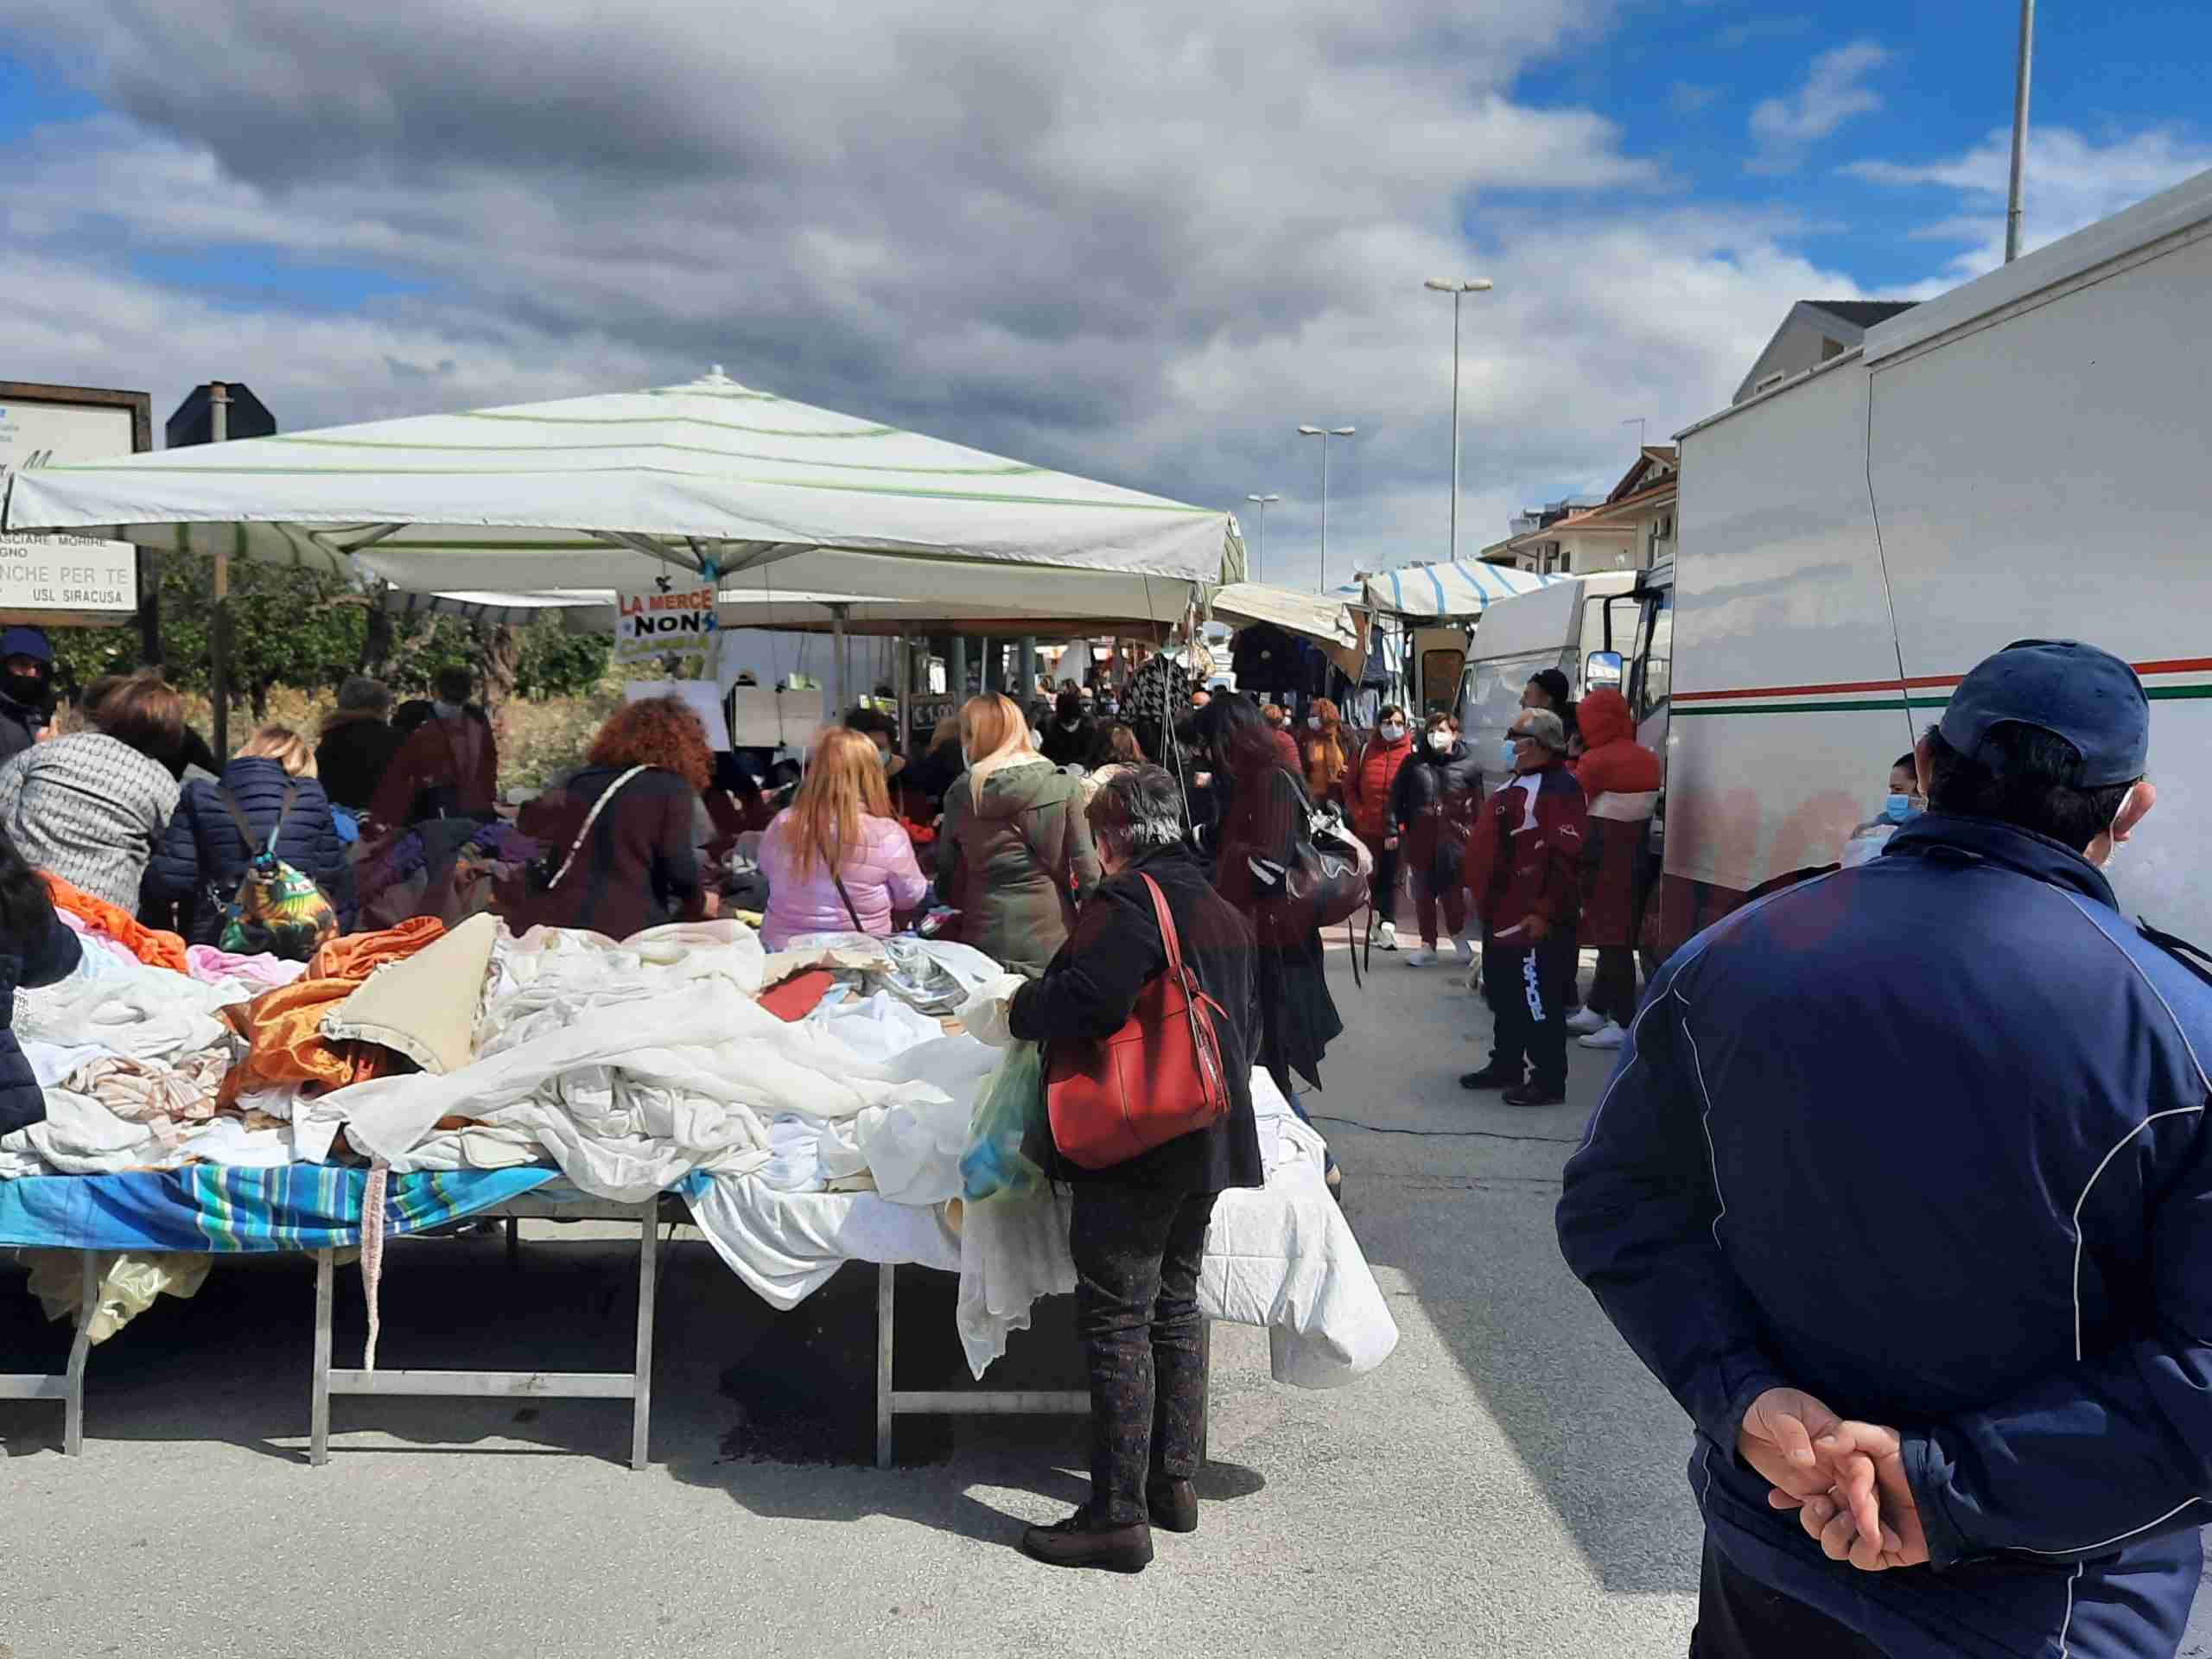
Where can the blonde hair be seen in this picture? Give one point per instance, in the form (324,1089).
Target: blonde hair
(990,723)
(843,781)
(283,745)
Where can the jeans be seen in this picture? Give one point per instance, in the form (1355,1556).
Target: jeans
(1612,987)
(1739,1618)
(1137,1254)
(1525,987)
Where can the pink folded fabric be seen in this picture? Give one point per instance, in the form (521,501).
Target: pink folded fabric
(211,966)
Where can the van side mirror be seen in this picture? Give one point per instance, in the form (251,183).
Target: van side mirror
(1602,668)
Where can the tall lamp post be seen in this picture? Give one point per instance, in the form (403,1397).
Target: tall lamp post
(1260,552)
(1324,433)
(1458,290)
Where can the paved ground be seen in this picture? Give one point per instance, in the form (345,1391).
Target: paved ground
(1509,1482)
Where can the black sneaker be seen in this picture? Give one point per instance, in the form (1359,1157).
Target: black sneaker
(1075,1542)
(1534,1094)
(1173,1503)
(1493,1077)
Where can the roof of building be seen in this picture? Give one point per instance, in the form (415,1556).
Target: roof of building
(1863,314)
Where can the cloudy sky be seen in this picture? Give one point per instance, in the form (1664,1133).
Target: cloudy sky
(1141,242)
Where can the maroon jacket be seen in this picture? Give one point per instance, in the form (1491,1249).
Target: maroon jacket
(1525,857)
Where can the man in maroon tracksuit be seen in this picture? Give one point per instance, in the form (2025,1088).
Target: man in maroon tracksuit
(1524,868)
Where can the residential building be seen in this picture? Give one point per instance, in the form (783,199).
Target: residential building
(1814,332)
(1631,527)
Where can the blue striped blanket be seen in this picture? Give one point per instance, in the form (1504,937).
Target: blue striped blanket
(210,1207)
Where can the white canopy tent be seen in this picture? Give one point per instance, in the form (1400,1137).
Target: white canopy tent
(1450,591)
(566,501)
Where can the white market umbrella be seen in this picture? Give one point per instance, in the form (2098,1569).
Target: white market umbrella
(1447,591)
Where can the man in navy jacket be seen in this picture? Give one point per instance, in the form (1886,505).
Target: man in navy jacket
(1903,1187)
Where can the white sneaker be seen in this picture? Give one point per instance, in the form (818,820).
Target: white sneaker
(1466,948)
(1586,1020)
(1424,957)
(1608,1035)
(1390,938)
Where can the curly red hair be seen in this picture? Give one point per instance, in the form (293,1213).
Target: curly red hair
(657,731)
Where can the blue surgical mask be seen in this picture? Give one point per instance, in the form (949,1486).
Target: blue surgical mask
(1505,754)
(1896,809)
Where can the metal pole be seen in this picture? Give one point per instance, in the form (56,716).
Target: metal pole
(1457,295)
(1260,553)
(955,680)
(1325,512)
(2014,211)
(1028,668)
(218,398)
(837,710)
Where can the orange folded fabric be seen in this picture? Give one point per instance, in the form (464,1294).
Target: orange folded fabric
(156,949)
(283,1027)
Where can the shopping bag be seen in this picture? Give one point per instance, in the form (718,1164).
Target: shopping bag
(1009,1109)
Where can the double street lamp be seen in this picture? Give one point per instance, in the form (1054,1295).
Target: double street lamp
(1458,290)
(1260,552)
(1324,433)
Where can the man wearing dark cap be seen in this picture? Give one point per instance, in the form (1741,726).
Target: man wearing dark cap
(25,688)
(1903,1188)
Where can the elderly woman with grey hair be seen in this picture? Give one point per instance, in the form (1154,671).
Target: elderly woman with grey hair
(358,744)
(1138,1228)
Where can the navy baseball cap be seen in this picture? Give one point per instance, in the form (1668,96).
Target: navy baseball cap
(26,642)
(2085,696)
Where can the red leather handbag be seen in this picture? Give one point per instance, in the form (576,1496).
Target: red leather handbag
(1158,1077)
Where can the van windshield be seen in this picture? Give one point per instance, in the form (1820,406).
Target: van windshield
(1493,703)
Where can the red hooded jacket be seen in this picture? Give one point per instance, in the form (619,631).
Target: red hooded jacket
(1620,783)
(1368,783)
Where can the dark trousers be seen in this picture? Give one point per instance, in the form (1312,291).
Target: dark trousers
(1428,893)
(1384,886)
(1612,987)
(1739,1618)
(1137,1254)
(1526,988)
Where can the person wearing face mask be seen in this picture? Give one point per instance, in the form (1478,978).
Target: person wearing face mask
(1432,806)
(1324,750)
(1524,868)
(1904,803)
(25,688)
(1070,735)
(1926,1141)
(1620,787)
(1368,787)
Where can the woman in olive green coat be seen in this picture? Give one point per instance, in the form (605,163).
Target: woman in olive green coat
(1013,854)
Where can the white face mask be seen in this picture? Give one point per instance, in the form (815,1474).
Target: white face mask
(1392,731)
(1314,721)
(1440,741)
(2104,861)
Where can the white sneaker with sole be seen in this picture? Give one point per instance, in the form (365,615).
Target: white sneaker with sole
(1466,948)
(1388,936)
(1586,1020)
(1424,957)
(1608,1035)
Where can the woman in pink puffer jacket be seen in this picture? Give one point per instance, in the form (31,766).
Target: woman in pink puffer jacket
(839,821)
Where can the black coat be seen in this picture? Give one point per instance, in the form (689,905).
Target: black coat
(1066,747)
(352,758)
(201,849)
(1091,986)
(52,956)
(19,729)
(1297,1017)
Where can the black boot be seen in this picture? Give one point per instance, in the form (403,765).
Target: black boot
(1077,1542)
(1494,1076)
(1534,1093)
(1173,1503)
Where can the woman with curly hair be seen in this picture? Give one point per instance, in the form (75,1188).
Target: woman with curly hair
(624,826)
(836,859)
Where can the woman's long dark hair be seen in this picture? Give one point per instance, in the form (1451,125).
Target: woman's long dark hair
(1242,742)
(26,907)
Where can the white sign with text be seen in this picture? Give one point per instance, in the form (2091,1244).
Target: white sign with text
(65,573)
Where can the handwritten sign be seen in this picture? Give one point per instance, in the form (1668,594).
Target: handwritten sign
(666,620)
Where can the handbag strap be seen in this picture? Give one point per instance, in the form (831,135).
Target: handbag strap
(590,819)
(1167,934)
(831,865)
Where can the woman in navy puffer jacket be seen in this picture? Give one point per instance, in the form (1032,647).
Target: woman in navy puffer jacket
(202,858)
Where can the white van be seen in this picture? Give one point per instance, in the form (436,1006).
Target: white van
(1582,626)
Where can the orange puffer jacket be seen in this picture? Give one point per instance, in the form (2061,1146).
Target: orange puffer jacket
(1368,784)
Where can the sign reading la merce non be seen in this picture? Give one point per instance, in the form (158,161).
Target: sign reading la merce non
(68,579)
(668,620)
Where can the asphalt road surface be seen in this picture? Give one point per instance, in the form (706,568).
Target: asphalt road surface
(1510,1482)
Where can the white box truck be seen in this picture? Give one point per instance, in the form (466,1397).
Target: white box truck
(1565,626)
(2025,457)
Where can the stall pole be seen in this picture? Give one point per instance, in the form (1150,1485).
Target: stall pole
(836,711)
(902,681)
(218,398)
(956,681)
(1028,668)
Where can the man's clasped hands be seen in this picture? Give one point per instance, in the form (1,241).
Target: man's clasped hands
(1845,1480)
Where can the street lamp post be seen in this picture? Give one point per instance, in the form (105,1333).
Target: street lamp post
(1457,289)
(1324,433)
(1260,552)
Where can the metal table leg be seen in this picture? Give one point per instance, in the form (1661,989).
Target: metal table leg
(319,1431)
(648,1265)
(81,1346)
(887,1280)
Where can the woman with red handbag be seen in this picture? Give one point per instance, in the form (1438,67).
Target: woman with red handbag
(1158,973)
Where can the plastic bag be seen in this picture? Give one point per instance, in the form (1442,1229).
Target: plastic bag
(1010,1104)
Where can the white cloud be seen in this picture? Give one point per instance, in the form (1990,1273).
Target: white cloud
(2070,182)
(1783,128)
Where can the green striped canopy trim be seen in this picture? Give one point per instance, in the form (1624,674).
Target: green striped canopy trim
(663,420)
(1004,469)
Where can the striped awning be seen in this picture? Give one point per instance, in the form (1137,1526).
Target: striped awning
(609,491)
(1438,591)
